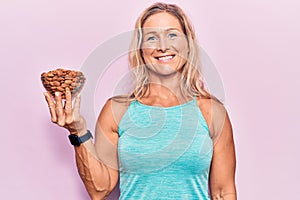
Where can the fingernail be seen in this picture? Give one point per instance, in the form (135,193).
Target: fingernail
(57,94)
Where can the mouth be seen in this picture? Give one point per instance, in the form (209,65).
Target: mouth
(164,58)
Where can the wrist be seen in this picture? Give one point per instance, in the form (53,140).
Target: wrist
(76,140)
(79,132)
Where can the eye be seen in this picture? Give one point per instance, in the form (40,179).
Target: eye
(172,35)
(151,38)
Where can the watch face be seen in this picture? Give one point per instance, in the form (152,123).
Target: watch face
(74,140)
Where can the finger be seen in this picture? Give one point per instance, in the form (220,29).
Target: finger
(76,111)
(59,109)
(68,107)
(51,106)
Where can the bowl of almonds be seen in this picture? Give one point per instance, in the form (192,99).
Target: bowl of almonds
(59,79)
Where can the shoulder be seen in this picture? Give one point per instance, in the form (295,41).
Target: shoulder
(119,104)
(113,110)
(210,102)
(204,105)
(214,113)
(210,106)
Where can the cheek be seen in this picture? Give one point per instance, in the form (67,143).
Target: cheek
(146,53)
(182,48)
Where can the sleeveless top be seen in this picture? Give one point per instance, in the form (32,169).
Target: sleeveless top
(164,152)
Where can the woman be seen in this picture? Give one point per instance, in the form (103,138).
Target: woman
(167,139)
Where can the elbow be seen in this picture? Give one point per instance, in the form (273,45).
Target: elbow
(101,189)
(224,196)
(96,189)
(98,194)
(227,192)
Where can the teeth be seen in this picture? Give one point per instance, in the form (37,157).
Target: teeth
(165,58)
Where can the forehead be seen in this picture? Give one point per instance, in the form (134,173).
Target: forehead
(162,21)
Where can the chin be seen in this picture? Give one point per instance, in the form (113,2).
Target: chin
(164,71)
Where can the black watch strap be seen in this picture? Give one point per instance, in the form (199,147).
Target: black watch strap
(76,141)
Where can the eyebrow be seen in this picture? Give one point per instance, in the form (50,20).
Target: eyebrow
(168,29)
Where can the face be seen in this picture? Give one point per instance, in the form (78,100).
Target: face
(164,45)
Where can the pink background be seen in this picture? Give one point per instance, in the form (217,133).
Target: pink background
(254,45)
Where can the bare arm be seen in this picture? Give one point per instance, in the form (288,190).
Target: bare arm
(98,177)
(222,174)
(97,163)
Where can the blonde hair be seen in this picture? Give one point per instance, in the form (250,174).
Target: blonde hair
(190,81)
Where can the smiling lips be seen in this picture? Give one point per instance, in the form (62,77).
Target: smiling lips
(165,58)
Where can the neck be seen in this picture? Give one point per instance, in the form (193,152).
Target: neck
(165,87)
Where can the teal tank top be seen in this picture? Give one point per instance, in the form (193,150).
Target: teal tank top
(164,152)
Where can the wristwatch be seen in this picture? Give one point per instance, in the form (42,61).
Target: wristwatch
(76,141)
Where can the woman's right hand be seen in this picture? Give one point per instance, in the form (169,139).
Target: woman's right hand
(65,115)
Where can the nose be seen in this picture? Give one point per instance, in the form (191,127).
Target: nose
(163,45)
